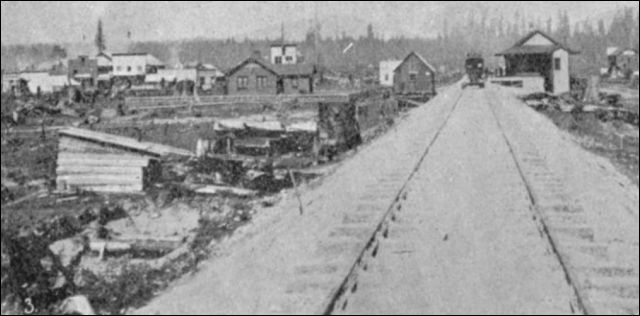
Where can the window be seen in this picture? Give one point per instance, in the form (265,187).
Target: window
(386,77)
(128,68)
(294,83)
(261,82)
(243,83)
(557,63)
(289,58)
(413,76)
(278,60)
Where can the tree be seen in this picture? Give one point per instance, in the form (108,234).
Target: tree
(101,43)
(370,34)
(637,35)
(564,27)
(602,31)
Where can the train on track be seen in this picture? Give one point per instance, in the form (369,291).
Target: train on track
(474,66)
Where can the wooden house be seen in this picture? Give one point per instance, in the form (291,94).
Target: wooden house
(414,75)
(254,77)
(539,62)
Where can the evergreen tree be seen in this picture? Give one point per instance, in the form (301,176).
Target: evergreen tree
(101,43)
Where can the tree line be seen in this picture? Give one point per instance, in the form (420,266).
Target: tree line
(480,33)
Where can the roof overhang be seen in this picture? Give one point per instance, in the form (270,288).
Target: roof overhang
(535,50)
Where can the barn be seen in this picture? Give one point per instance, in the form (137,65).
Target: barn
(415,76)
(105,163)
(538,62)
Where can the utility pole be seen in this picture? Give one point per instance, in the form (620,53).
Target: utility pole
(316,32)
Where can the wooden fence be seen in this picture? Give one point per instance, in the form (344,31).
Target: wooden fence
(156,103)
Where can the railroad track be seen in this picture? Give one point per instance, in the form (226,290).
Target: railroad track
(338,301)
(594,284)
(601,284)
(322,263)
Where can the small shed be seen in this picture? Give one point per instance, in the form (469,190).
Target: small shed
(415,75)
(538,56)
(105,163)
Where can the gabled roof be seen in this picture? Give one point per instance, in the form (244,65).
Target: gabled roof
(424,61)
(521,49)
(104,54)
(277,70)
(251,60)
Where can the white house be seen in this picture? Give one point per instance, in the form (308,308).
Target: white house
(387,70)
(286,54)
(135,64)
(9,81)
(539,62)
(44,82)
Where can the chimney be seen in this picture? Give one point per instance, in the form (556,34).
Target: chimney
(257,55)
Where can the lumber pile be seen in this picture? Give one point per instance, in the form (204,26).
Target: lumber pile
(97,162)
(106,173)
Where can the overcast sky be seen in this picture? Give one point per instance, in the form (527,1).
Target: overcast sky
(47,22)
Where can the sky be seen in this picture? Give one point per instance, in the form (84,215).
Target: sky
(28,22)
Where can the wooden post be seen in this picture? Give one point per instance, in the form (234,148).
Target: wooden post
(297,193)
(593,89)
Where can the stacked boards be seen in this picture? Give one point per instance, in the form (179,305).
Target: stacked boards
(104,163)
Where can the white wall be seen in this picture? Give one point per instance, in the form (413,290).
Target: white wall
(561,81)
(129,65)
(8,81)
(46,82)
(387,68)
(290,51)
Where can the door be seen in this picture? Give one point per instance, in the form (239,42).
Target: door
(280,86)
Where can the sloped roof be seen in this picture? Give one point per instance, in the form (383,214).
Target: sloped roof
(294,70)
(612,51)
(424,61)
(124,142)
(278,70)
(521,49)
(153,61)
(250,60)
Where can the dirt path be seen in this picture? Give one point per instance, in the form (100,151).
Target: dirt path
(470,234)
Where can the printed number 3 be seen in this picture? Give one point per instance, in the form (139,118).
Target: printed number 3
(30,309)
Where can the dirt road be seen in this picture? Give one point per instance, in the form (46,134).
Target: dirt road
(473,204)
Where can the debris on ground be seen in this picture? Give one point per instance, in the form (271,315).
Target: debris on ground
(605,128)
(76,305)
(158,208)
(68,250)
